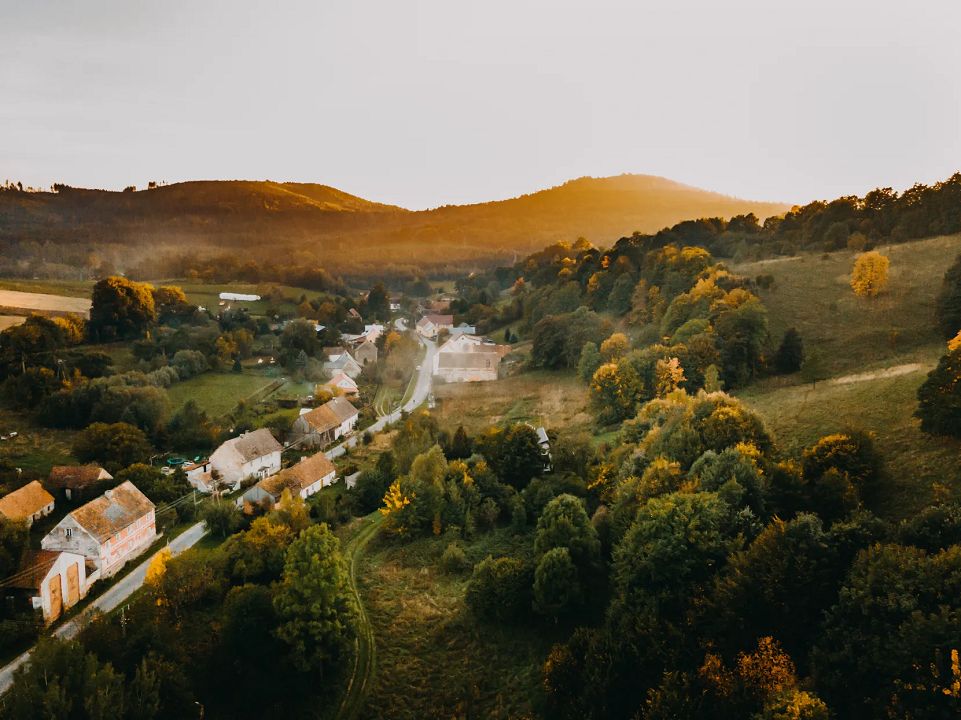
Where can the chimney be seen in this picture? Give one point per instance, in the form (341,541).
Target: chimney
(302,458)
(108,494)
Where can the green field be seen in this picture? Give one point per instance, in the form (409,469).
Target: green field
(433,659)
(852,335)
(894,334)
(217,393)
(34,449)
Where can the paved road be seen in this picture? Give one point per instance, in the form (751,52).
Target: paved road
(110,600)
(422,389)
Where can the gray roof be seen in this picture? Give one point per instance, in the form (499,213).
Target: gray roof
(255,444)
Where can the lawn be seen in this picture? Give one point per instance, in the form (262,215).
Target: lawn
(217,393)
(34,449)
(553,399)
(433,659)
(68,288)
(848,334)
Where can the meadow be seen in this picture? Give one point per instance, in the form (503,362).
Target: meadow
(217,393)
(870,358)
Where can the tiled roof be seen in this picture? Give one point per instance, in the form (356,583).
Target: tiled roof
(330,414)
(113,511)
(253,445)
(34,568)
(76,476)
(22,503)
(299,476)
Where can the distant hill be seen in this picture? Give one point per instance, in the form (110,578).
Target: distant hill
(339,228)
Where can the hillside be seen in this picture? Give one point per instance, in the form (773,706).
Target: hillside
(328,222)
(870,359)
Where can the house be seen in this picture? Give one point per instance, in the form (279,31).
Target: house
(52,581)
(354,315)
(372,332)
(304,479)
(107,531)
(77,480)
(253,454)
(468,358)
(342,384)
(28,504)
(199,475)
(464,329)
(339,360)
(323,425)
(366,352)
(431,324)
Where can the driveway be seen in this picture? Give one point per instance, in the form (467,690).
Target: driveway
(110,600)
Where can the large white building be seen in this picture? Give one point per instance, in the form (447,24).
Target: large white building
(107,531)
(468,358)
(254,454)
(53,581)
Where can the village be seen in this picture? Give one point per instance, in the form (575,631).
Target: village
(103,525)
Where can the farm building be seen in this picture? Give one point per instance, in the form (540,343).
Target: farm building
(366,352)
(28,504)
(468,358)
(52,581)
(323,425)
(76,480)
(239,297)
(108,531)
(254,454)
(431,324)
(304,479)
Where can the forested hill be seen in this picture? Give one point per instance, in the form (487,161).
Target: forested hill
(325,221)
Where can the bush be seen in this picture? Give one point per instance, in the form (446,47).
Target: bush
(454,560)
(500,590)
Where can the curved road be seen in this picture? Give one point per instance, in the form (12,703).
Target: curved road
(130,583)
(111,599)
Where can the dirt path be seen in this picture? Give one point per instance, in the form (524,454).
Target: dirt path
(355,694)
(893,371)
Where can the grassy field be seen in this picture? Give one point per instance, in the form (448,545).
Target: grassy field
(68,288)
(17,301)
(433,659)
(34,449)
(851,335)
(847,337)
(217,393)
(555,400)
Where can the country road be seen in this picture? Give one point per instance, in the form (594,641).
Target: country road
(364,663)
(110,600)
(355,694)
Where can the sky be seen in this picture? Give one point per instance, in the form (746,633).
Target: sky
(435,102)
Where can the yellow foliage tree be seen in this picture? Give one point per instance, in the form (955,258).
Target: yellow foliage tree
(157,566)
(615,347)
(669,375)
(395,500)
(870,274)
(955,343)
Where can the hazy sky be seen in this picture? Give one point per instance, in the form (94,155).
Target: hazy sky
(448,101)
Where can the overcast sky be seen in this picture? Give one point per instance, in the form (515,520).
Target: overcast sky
(448,101)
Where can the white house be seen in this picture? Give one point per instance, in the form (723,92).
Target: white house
(53,581)
(342,383)
(27,504)
(108,531)
(468,358)
(339,360)
(332,420)
(239,297)
(431,324)
(253,454)
(306,478)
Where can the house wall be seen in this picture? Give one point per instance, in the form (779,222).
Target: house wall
(80,541)
(60,570)
(453,375)
(127,544)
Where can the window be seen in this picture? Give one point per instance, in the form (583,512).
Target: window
(68,532)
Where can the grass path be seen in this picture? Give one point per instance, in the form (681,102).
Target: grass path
(358,686)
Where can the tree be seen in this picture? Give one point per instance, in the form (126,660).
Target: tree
(114,446)
(588,362)
(669,375)
(257,555)
(557,587)
(939,397)
(300,336)
(790,354)
(513,453)
(314,602)
(615,347)
(870,274)
(14,540)
(221,516)
(378,303)
(500,589)
(171,303)
(564,524)
(190,428)
(154,484)
(461,446)
(948,304)
(121,308)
